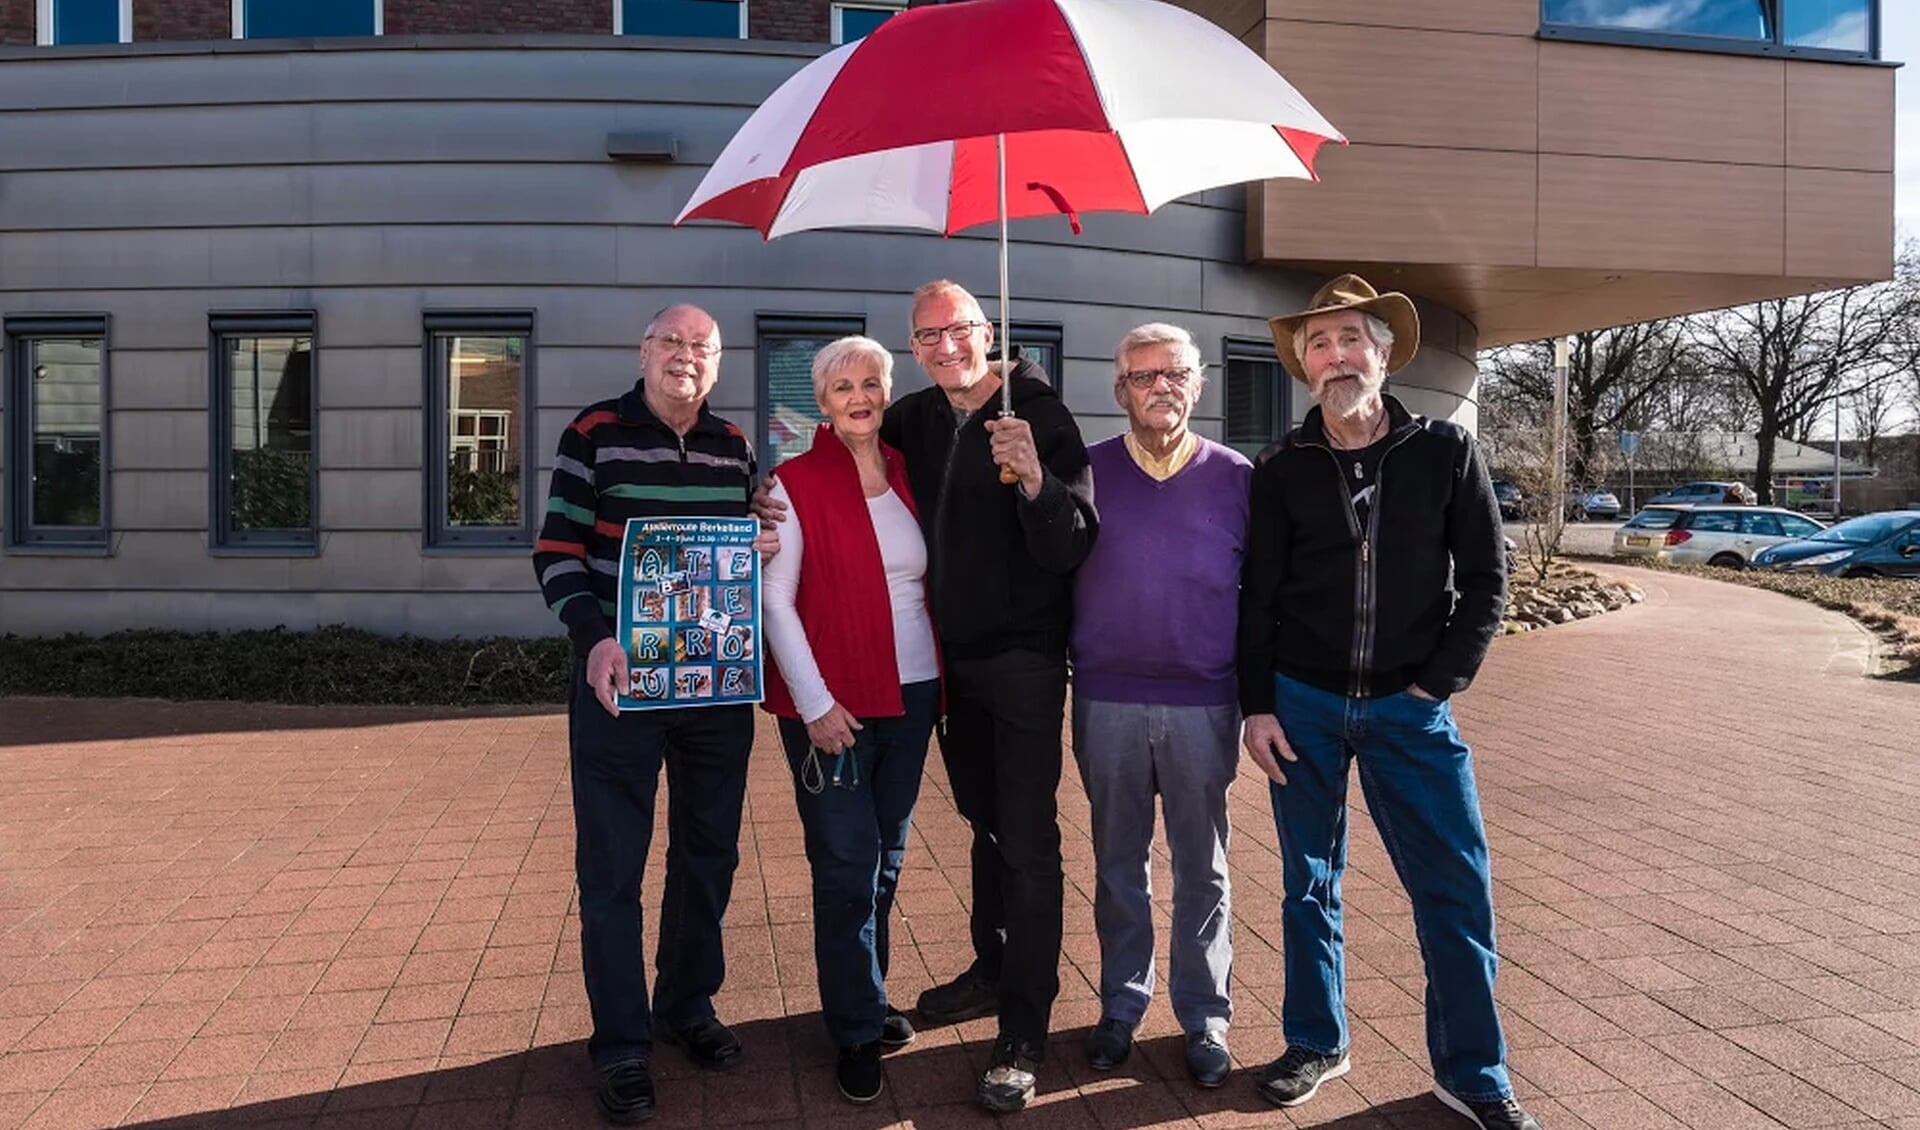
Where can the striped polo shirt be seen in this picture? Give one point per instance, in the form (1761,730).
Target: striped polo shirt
(617,461)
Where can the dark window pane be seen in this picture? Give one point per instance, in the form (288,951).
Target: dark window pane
(302,19)
(1733,19)
(66,431)
(1654,519)
(1761,525)
(1253,386)
(270,397)
(858,23)
(714,19)
(1714,522)
(485,419)
(1799,527)
(1839,25)
(86,21)
(792,412)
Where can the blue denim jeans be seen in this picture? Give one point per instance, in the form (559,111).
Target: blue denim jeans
(856,828)
(1417,776)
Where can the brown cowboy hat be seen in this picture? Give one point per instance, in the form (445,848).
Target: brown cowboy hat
(1351,292)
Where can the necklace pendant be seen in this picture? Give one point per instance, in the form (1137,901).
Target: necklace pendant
(1358,471)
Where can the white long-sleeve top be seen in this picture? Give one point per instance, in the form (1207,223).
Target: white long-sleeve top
(903,553)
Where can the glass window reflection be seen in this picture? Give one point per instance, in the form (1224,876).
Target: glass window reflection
(484,377)
(1837,25)
(66,418)
(1728,19)
(270,400)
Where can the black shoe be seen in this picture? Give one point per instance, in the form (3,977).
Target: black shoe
(1296,1076)
(708,1043)
(626,1093)
(859,1074)
(1007,1084)
(1109,1044)
(1488,1114)
(1207,1058)
(896,1031)
(966,997)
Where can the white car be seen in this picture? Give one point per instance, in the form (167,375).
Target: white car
(1726,535)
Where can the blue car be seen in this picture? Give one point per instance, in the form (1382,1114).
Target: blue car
(1873,545)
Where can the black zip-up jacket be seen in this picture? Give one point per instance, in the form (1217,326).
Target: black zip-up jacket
(999,565)
(1413,599)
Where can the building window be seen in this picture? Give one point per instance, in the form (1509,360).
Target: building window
(1819,27)
(708,19)
(479,388)
(84,21)
(265,482)
(1258,405)
(1038,342)
(857,21)
(306,19)
(56,416)
(784,357)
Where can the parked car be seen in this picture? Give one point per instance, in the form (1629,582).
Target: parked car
(1886,544)
(1584,504)
(1510,499)
(1730,536)
(1706,493)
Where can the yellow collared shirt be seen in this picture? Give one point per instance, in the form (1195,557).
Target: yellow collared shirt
(1163,469)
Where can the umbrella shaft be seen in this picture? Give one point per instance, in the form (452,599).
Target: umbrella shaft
(1006,339)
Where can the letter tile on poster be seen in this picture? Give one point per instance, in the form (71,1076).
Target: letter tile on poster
(690,612)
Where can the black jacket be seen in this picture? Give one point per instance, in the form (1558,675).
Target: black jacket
(999,565)
(1415,598)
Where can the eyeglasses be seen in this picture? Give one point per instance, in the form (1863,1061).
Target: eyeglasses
(931,335)
(674,343)
(1147,378)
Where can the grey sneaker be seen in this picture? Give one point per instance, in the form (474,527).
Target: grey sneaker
(1007,1084)
(1296,1076)
(1488,1114)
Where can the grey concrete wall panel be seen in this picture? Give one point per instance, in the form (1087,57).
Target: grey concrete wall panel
(371,182)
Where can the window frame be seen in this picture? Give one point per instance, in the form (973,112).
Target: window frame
(438,326)
(787,325)
(620,20)
(837,33)
(22,536)
(1724,45)
(239,19)
(1234,347)
(43,11)
(222,538)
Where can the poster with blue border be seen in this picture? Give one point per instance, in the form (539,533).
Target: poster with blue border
(690,612)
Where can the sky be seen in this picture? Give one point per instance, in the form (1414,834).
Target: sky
(1900,42)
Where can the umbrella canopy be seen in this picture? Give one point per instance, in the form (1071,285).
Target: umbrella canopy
(1102,105)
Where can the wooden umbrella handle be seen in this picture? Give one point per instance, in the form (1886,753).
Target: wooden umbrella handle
(1008,475)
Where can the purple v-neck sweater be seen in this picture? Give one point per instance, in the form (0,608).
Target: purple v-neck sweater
(1157,601)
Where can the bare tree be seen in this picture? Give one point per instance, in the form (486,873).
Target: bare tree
(1871,404)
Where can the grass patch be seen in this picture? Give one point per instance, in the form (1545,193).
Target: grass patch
(1888,606)
(334,665)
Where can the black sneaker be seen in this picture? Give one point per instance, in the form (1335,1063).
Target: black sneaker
(896,1031)
(1488,1114)
(708,1043)
(966,997)
(1296,1076)
(1109,1044)
(859,1074)
(625,1095)
(1007,1084)
(1208,1061)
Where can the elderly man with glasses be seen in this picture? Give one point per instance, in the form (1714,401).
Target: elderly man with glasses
(655,451)
(1155,697)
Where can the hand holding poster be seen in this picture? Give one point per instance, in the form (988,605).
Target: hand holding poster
(690,612)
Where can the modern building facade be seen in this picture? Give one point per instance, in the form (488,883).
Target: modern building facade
(298,295)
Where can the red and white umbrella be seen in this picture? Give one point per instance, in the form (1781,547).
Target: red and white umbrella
(1105,105)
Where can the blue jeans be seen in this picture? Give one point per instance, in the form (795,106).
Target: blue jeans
(1417,776)
(616,773)
(856,834)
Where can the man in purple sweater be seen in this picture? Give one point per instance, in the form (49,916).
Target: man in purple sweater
(1155,701)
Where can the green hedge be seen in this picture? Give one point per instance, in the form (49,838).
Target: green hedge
(331,665)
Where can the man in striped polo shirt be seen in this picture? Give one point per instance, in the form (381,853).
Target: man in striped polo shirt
(655,451)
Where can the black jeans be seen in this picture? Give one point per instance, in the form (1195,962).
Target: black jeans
(856,830)
(616,772)
(1001,745)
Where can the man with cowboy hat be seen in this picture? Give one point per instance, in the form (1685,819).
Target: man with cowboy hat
(1373,584)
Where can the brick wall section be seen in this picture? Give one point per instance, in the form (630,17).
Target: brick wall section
(427,17)
(808,21)
(16,21)
(182,19)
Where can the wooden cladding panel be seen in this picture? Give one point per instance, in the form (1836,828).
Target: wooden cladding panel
(1422,87)
(1840,117)
(1501,17)
(1839,223)
(1397,204)
(1622,214)
(1631,102)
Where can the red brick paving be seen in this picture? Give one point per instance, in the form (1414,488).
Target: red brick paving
(1702,820)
